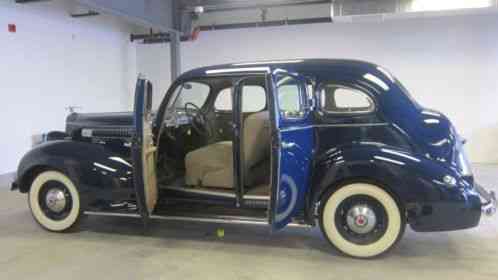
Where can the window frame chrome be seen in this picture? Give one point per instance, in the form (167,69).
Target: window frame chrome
(303,99)
(322,109)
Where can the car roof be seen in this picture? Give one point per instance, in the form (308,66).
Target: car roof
(306,67)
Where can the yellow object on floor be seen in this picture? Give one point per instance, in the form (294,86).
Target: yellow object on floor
(220,233)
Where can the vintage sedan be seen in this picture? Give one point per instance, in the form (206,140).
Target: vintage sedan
(335,143)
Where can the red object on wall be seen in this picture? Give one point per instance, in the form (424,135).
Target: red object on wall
(195,34)
(12,28)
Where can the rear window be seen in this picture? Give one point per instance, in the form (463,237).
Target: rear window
(253,99)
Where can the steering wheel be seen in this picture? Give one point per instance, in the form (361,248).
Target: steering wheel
(199,119)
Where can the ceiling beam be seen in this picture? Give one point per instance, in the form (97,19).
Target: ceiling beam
(230,5)
(157,14)
(29,1)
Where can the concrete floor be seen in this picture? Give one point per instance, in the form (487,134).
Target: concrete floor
(117,248)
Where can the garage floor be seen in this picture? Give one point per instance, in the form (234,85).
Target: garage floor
(117,248)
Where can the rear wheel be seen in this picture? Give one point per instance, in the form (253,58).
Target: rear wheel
(361,220)
(54,201)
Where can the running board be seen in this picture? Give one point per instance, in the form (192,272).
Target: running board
(203,219)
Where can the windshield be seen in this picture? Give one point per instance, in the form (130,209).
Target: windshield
(190,92)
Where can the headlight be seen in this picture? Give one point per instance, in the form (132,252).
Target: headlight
(450,181)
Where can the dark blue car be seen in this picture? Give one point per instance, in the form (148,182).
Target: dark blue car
(335,143)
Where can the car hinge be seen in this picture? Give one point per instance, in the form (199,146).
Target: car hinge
(316,208)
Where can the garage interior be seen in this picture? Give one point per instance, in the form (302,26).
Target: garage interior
(85,55)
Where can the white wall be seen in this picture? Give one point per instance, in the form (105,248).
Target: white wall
(153,61)
(448,63)
(54,61)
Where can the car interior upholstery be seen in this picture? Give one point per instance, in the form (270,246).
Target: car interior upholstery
(196,161)
(212,165)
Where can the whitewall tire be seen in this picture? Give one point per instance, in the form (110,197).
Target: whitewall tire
(361,220)
(54,201)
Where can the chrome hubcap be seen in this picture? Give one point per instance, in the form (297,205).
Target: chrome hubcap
(56,200)
(361,219)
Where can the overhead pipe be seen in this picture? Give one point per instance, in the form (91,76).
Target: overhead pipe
(160,37)
(87,14)
(29,1)
(153,38)
(270,23)
(231,6)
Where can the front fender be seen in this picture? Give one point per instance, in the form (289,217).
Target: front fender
(412,179)
(98,172)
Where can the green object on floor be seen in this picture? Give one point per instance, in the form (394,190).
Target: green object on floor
(220,232)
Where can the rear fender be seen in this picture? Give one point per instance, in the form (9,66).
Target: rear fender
(411,179)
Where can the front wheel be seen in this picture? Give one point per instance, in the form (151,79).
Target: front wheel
(361,220)
(54,201)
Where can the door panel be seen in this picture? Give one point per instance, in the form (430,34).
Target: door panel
(293,145)
(224,125)
(144,150)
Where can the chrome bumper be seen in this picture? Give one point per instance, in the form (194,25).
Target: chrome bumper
(489,205)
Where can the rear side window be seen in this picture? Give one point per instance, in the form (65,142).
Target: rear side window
(253,99)
(339,99)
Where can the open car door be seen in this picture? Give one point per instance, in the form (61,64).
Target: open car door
(144,150)
(292,148)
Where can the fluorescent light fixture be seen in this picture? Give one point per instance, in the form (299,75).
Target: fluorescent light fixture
(268,62)
(431,121)
(376,80)
(237,70)
(438,5)
(389,160)
(105,167)
(440,143)
(425,112)
(118,159)
(386,73)
(400,154)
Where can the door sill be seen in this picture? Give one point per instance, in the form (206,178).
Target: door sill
(219,193)
(219,219)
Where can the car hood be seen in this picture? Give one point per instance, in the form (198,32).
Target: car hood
(77,121)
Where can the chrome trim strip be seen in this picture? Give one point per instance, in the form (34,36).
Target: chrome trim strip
(293,128)
(256,197)
(111,214)
(215,193)
(103,126)
(238,70)
(351,124)
(214,219)
(490,204)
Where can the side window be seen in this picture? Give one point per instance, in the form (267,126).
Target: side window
(223,101)
(290,97)
(191,92)
(253,99)
(337,99)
